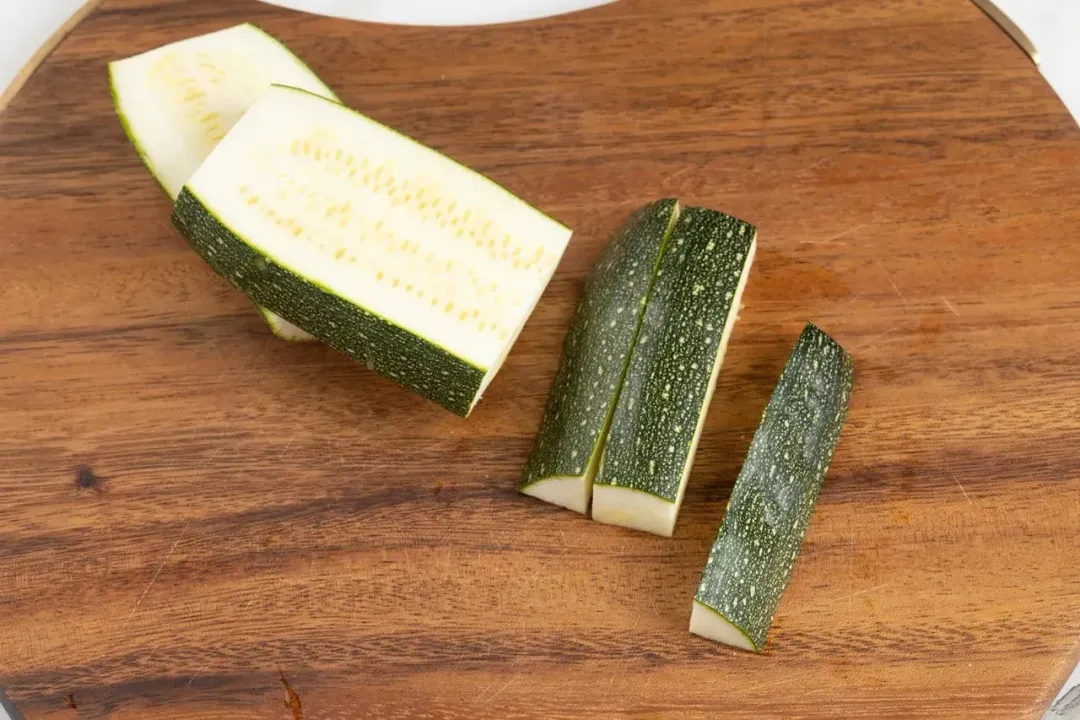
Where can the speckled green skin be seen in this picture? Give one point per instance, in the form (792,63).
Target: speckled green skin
(667,382)
(408,359)
(751,561)
(597,347)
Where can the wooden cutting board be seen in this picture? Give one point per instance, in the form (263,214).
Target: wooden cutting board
(193,509)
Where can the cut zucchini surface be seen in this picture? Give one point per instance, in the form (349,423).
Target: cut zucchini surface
(386,250)
(672,373)
(755,549)
(177,102)
(567,450)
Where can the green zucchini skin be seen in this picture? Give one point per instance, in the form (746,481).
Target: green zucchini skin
(770,507)
(596,351)
(669,381)
(423,367)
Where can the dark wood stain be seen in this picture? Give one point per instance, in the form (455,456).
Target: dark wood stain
(277,506)
(85,479)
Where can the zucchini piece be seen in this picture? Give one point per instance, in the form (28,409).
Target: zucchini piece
(595,354)
(177,102)
(380,247)
(672,373)
(751,561)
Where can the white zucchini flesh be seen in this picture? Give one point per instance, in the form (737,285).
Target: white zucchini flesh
(282,327)
(385,224)
(708,623)
(178,101)
(570,492)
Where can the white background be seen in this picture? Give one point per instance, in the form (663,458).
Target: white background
(1053,26)
(26,24)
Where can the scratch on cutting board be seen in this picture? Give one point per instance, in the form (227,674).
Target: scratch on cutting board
(867,591)
(507,684)
(764,38)
(152,651)
(824,160)
(774,683)
(832,240)
(876,340)
(255,361)
(287,446)
(891,282)
(153,579)
(847,232)
(851,550)
(957,481)
(214,345)
(812,165)
(950,306)
(678,173)
(197,673)
(483,692)
(652,602)
(183,534)
(833,601)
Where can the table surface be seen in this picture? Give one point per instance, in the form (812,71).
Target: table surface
(194,509)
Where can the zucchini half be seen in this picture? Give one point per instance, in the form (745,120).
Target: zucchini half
(384,249)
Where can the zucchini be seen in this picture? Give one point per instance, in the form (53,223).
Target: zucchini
(751,561)
(672,373)
(178,101)
(595,353)
(378,246)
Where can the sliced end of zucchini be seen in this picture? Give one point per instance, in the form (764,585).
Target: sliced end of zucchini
(710,624)
(282,327)
(634,509)
(571,492)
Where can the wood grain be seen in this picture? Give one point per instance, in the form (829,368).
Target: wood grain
(192,507)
